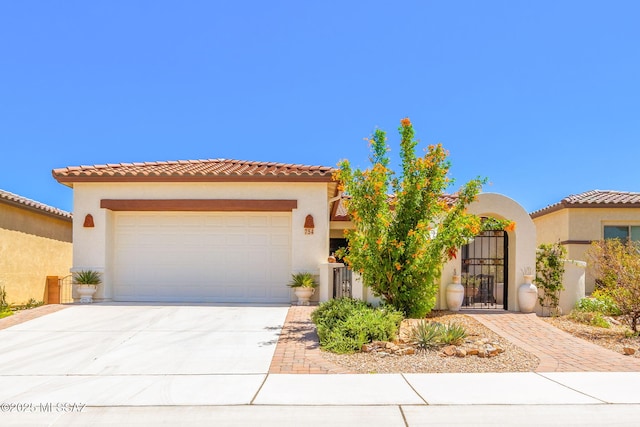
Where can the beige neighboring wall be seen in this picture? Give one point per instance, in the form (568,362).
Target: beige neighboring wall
(576,227)
(33,245)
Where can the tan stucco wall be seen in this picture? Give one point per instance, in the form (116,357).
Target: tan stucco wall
(581,224)
(32,247)
(93,247)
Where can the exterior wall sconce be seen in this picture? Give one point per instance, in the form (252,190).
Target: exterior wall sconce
(88,221)
(308,225)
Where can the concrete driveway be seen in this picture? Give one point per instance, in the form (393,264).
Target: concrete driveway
(149,353)
(118,364)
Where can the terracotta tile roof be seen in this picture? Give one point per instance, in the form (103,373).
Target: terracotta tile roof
(593,199)
(14,199)
(341,214)
(194,170)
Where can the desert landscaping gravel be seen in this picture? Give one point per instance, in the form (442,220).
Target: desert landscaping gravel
(512,359)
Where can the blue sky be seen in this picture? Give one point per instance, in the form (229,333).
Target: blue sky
(541,97)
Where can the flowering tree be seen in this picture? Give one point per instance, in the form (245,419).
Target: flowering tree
(404,227)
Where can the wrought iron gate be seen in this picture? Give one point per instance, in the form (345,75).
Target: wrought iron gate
(484,271)
(342,282)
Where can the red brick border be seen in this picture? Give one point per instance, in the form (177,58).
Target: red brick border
(298,350)
(32,313)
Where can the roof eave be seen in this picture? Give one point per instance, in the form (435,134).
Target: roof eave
(64,216)
(69,180)
(564,205)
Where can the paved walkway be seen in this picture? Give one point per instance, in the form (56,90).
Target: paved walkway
(298,351)
(557,350)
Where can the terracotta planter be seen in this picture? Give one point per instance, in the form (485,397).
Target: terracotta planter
(86,292)
(304,294)
(527,295)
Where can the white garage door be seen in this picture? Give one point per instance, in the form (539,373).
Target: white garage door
(202,257)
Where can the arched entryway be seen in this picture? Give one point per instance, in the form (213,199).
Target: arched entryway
(485,273)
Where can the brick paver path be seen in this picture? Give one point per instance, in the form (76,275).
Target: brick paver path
(298,351)
(32,313)
(557,350)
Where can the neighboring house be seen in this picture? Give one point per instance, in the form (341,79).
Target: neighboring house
(579,219)
(35,242)
(234,231)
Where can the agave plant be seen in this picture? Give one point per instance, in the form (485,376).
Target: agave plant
(302,280)
(87,277)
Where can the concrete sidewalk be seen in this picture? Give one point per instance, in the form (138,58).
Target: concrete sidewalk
(595,398)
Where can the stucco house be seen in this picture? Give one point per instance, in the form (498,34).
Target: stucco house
(234,231)
(35,242)
(577,220)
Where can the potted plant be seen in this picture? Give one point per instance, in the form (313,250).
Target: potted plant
(86,282)
(304,285)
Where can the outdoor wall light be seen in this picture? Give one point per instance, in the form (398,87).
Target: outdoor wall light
(88,221)
(308,225)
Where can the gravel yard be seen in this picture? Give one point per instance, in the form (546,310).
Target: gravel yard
(512,359)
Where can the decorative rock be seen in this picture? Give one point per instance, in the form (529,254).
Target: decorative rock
(491,351)
(406,351)
(367,348)
(461,352)
(449,350)
(482,353)
(628,351)
(473,352)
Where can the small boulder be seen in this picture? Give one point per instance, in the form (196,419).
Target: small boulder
(472,352)
(629,351)
(449,350)
(461,352)
(367,348)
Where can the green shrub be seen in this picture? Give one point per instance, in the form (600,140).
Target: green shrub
(593,318)
(3,299)
(345,325)
(598,303)
(5,311)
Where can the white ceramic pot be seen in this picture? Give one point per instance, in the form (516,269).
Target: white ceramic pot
(86,292)
(455,296)
(527,295)
(304,294)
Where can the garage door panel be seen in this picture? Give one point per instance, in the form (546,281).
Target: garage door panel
(213,256)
